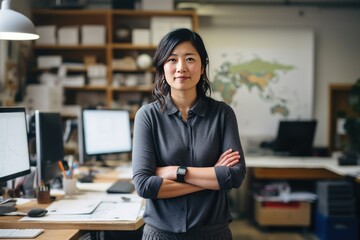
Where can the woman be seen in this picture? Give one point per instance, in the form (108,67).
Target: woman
(187,151)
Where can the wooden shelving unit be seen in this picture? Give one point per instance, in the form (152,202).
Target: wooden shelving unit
(105,53)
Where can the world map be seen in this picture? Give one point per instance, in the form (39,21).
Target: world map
(265,75)
(255,74)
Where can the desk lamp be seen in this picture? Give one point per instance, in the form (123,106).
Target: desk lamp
(14,25)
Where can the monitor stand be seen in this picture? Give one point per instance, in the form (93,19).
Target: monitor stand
(101,162)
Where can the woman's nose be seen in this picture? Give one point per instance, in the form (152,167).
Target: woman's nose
(181,66)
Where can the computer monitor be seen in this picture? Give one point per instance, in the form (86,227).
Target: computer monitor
(106,131)
(49,145)
(295,138)
(14,149)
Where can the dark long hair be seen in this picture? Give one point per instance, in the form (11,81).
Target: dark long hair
(165,48)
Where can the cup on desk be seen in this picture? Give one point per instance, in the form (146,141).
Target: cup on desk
(69,186)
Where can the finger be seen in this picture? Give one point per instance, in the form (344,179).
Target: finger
(229,158)
(225,153)
(233,157)
(230,155)
(233,163)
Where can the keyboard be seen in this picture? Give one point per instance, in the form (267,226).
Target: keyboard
(121,187)
(20,233)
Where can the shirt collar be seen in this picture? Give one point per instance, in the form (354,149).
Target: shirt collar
(199,108)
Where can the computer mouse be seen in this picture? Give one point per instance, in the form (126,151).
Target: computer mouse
(37,212)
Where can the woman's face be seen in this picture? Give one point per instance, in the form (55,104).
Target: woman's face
(183,68)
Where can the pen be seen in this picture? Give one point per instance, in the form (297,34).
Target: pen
(74,166)
(70,163)
(61,166)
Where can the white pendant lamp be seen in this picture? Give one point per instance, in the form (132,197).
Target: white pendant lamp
(14,25)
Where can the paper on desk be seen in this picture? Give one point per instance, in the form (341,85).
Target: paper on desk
(73,206)
(294,196)
(20,201)
(96,187)
(108,210)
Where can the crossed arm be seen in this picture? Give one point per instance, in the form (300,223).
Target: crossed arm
(196,178)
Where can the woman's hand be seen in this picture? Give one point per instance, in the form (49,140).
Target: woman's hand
(228,158)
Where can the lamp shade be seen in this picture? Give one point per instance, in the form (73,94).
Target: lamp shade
(14,25)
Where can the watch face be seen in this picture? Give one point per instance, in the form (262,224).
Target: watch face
(181,171)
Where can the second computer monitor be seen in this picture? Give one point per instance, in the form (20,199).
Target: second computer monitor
(295,138)
(106,131)
(49,145)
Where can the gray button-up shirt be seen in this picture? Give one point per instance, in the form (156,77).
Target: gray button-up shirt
(162,138)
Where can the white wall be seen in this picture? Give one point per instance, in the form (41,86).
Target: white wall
(337,43)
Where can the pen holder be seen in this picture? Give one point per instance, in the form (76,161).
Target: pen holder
(43,195)
(69,186)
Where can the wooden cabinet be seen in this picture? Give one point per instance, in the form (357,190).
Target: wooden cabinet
(110,94)
(338,105)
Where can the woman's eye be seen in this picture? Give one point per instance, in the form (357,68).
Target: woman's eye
(190,59)
(171,60)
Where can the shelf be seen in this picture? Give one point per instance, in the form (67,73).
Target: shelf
(129,46)
(70,47)
(111,50)
(145,89)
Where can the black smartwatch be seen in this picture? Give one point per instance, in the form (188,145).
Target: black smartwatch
(180,174)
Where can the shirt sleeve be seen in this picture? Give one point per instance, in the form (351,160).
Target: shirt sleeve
(147,184)
(231,177)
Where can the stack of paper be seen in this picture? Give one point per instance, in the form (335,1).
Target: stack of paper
(49,61)
(73,81)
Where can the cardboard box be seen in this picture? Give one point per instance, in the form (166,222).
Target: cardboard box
(282,214)
(93,34)
(140,36)
(165,5)
(47,35)
(68,35)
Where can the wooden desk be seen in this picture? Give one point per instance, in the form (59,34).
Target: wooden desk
(295,168)
(311,168)
(294,173)
(12,221)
